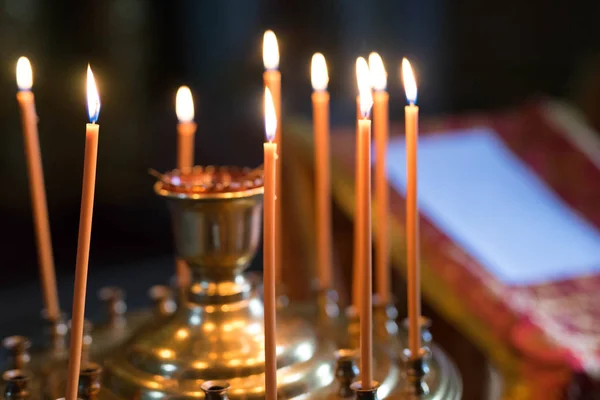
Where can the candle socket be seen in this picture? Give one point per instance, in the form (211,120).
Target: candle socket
(16,384)
(361,393)
(18,352)
(89,381)
(114,302)
(416,369)
(215,390)
(346,370)
(162,296)
(55,332)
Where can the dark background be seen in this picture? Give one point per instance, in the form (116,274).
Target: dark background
(468,55)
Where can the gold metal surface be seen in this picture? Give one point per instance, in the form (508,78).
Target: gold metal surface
(216,334)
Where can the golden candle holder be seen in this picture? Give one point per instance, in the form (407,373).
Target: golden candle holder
(216,332)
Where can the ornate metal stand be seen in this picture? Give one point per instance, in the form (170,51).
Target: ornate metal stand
(178,351)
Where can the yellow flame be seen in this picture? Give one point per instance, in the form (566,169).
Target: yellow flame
(270,50)
(318,72)
(270,116)
(24,74)
(364,86)
(184,104)
(378,74)
(93,100)
(410,84)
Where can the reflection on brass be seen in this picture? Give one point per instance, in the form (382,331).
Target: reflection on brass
(215,333)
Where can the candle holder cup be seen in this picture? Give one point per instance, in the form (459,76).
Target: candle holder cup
(346,371)
(16,384)
(362,393)
(416,369)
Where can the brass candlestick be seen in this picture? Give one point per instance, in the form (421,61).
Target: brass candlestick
(215,331)
(218,332)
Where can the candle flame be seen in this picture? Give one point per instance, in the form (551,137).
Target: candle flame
(24,74)
(378,73)
(318,72)
(410,84)
(184,104)
(93,100)
(270,51)
(364,86)
(270,116)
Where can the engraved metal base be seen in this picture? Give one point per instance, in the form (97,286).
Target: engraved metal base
(214,332)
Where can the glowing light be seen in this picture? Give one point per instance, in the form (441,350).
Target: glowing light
(24,74)
(378,74)
(93,99)
(270,51)
(182,333)
(184,104)
(169,367)
(364,86)
(270,117)
(166,353)
(318,72)
(410,84)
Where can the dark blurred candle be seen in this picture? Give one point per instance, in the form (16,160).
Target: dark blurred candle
(36,185)
(320,103)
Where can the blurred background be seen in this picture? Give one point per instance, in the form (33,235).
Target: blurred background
(468,55)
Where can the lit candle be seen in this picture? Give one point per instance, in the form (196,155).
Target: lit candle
(186,129)
(320,103)
(269,219)
(412,212)
(36,186)
(85,232)
(272,81)
(380,131)
(364,222)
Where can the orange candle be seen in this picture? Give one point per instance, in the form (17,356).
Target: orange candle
(186,129)
(85,232)
(269,219)
(356,263)
(186,132)
(364,225)
(320,103)
(36,186)
(412,212)
(272,81)
(381,120)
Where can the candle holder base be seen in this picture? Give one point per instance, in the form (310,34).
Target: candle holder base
(362,393)
(217,333)
(416,369)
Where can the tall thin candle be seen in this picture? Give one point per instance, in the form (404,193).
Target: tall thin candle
(364,216)
(36,185)
(272,81)
(380,120)
(412,212)
(356,261)
(320,103)
(270,166)
(186,132)
(85,232)
(186,129)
